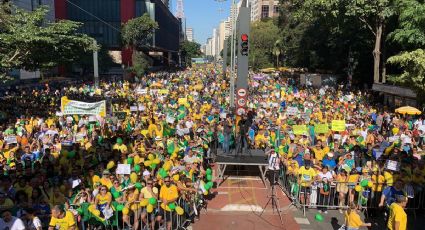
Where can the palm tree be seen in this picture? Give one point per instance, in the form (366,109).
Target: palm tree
(277,50)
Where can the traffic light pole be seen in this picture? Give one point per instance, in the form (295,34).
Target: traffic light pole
(232,57)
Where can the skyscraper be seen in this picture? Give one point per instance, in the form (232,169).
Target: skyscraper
(189,34)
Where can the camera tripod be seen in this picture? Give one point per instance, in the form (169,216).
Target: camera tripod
(272,197)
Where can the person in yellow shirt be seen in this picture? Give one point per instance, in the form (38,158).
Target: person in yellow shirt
(353,220)
(103,199)
(306,177)
(62,220)
(398,217)
(168,194)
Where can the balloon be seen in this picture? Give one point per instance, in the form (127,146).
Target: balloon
(133,177)
(172,206)
(71,154)
(208,171)
(167,166)
(125,211)
(137,168)
(120,207)
(205,193)
(364,183)
(96,178)
(179,210)
(110,165)
(149,208)
(153,166)
(370,184)
(151,156)
(152,201)
(358,188)
(136,159)
(130,160)
(176,177)
(156,161)
(119,140)
(144,202)
(210,184)
(134,207)
(138,185)
(147,163)
(209,177)
(395,131)
(318,217)
(207,187)
(116,194)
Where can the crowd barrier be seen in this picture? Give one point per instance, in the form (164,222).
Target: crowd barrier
(191,206)
(339,194)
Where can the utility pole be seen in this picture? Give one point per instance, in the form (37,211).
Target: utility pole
(232,56)
(95,66)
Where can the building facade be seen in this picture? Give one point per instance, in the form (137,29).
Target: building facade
(102,20)
(262,9)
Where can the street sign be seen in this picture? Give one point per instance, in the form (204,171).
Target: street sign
(241,102)
(240,111)
(241,92)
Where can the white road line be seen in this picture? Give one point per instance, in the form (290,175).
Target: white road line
(220,187)
(241,208)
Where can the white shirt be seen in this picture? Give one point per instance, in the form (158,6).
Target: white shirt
(327,175)
(34,224)
(274,162)
(14,224)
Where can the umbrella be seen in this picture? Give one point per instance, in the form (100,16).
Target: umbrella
(408,110)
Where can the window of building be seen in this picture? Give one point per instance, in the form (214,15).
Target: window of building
(264,11)
(275,9)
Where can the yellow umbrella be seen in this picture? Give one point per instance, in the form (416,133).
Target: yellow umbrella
(408,110)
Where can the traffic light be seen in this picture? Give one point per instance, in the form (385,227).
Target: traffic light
(244,44)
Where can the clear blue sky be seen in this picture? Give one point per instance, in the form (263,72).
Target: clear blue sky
(203,16)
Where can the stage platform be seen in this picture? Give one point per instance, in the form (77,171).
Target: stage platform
(247,158)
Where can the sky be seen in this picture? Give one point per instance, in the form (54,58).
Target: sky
(203,16)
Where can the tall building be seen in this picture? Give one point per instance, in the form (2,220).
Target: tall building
(261,9)
(102,20)
(214,46)
(221,36)
(166,3)
(31,5)
(208,47)
(189,34)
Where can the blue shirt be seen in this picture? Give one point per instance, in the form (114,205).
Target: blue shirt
(329,162)
(390,194)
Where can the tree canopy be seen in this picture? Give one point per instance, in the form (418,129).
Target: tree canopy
(28,41)
(138,32)
(190,50)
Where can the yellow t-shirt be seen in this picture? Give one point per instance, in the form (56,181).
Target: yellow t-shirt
(307,175)
(389,179)
(377,183)
(147,194)
(353,220)
(168,194)
(397,214)
(64,223)
(104,199)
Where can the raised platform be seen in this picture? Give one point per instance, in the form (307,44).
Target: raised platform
(248,158)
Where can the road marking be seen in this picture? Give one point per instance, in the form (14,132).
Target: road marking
(302,220)
(222,193)
(231,187)
(243,178)
(241,208)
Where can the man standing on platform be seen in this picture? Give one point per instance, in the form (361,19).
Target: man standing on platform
(227,134)
(274,166)
(243,133)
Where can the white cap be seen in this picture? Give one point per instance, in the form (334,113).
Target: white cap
(146,173)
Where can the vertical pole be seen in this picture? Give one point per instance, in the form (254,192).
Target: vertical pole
(233,46)
(95,66)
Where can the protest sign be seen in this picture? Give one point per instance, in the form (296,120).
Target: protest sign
(321,128)
(141,91)
(182,101)
(163,91)
(133,108)
(292,111)
(10,139)
(338,125)
(299,129)
(392,165)
(120,115)
(71,107)
(123,169)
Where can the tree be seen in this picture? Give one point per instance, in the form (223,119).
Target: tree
(190,50)
(28,41)
(141,64)
(411,36)
(138,32)
(262,40)
(105,61)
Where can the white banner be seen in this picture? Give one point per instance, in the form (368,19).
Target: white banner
(292,111)
(70,107)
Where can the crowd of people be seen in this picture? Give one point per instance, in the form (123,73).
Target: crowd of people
(153,148)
